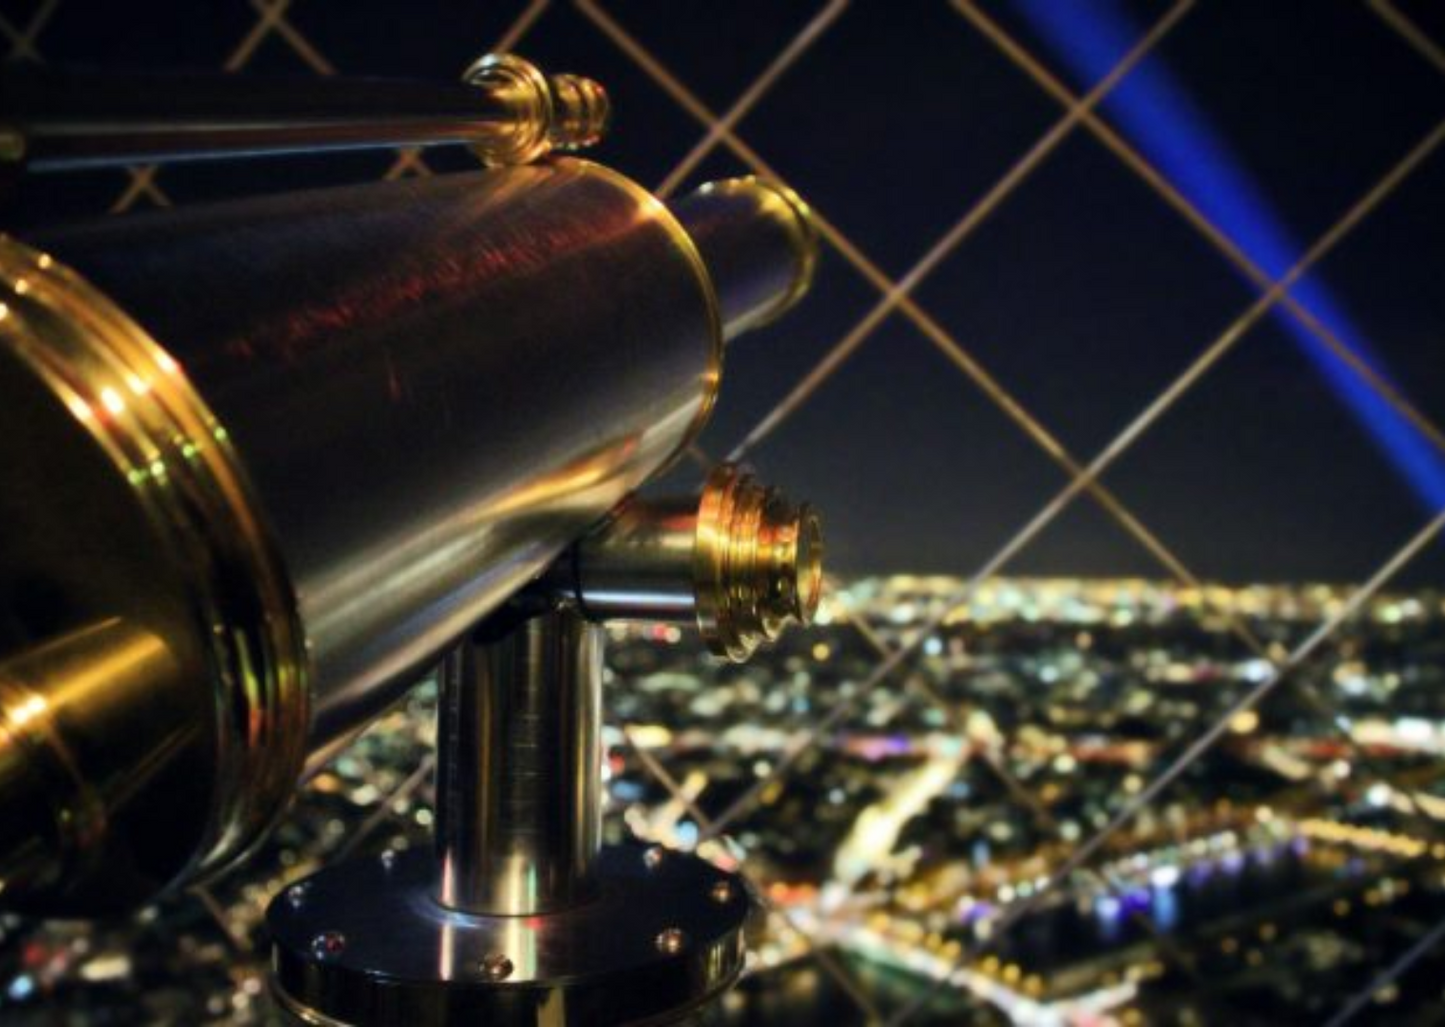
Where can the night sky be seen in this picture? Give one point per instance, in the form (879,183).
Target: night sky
(1084,294)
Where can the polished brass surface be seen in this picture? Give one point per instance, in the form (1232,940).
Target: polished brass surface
(521,916)
(519,769)
(437,385)
(759,563)
(562,113)
(70,710)
(638,566)
(741,560)
(394,955)
(759,243)
(506,110)
(582,112)
(124,506)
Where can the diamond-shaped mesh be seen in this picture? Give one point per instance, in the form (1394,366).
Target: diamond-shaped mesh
(902,304)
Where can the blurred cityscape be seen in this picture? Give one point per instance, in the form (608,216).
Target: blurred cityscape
(918,850)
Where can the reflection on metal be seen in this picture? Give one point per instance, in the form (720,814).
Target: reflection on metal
(435,387)
(522,914)
(124,505)
(564,112)
(519,802)
(380,413)
(408,959)
(506,110)
(759,243)
(742,561)
(759,563)
(427,426)
(109,680)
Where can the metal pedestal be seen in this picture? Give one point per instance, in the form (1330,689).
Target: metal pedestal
(367,942)
(520,917)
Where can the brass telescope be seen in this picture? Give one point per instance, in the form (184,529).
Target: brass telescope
(266,463)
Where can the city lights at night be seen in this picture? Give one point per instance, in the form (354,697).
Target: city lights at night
(563,513)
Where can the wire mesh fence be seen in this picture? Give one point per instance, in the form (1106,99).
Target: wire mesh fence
(967,932)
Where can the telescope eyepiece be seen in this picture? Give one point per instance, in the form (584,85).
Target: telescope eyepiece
(741,561)
(758,563)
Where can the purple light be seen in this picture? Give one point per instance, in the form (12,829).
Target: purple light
(1106,907)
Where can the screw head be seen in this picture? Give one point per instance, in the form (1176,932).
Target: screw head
(721,892)
(328,945)
(495,966)
(296,895)
(653,856)
(672,941)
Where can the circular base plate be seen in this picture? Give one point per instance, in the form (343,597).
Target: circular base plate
(367,942)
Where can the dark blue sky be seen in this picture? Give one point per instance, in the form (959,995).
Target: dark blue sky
(1084,294)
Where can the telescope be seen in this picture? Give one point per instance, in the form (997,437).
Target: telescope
(266,464)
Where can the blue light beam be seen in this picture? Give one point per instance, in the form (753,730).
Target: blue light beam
(1091,36)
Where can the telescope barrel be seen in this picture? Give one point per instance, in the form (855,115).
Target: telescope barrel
(505,109)
(327,435)
(433,385)
(758,242)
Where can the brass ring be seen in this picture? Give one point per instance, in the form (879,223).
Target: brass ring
(803,238)
(522,84)
(757,563)
(133,400)
(798,224)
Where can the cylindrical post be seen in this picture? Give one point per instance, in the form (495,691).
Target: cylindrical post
(519,768)
(642,565)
